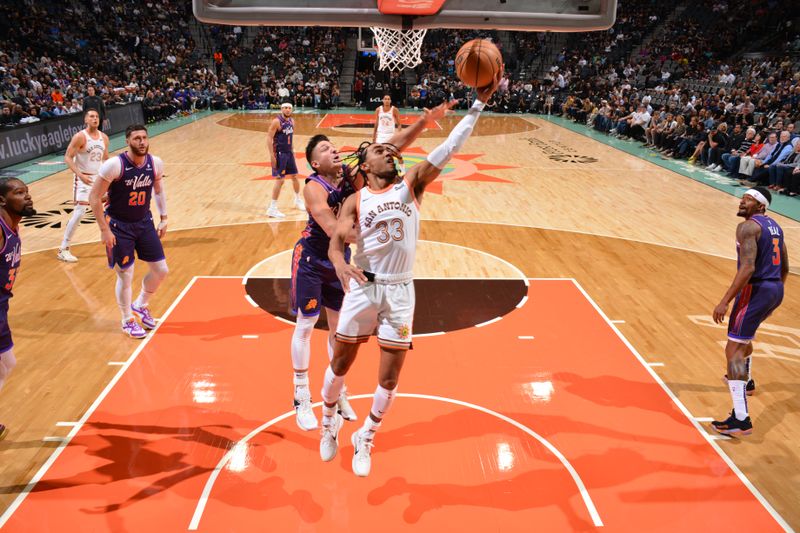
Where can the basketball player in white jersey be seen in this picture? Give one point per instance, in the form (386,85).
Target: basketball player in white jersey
(387,122)
(86,152)
(379,287)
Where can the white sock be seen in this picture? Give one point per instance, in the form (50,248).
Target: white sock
(370,426)
(300,380)
(739,397)
(332,387)
(333,323)
(7,364)
(72,225)
(123,292)
(273,204)
(381,401)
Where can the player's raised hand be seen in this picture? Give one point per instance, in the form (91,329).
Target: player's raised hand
(345,272)
(439,111)
(485,93)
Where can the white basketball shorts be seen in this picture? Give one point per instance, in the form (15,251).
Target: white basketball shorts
(80,191)
(387,307)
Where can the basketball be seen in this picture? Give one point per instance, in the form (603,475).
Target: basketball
(477,62)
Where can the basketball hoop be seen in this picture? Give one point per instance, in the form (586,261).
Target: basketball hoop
(398,49)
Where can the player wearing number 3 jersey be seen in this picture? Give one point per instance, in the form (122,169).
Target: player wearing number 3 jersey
(379,289)
(131,180)
(763,265)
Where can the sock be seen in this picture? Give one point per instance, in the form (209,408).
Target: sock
(7,364)
(332,386)
(381,401)
(74,220)
(739,397)
(123,293)
(273,204)
(333,323)
(300,380)
(749,361)
(327,414)
(370,427)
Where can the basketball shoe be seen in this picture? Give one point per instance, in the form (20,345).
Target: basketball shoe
(329,443)
(132,329)
(144,315)
(65,255)
(304,414)
(3,431)
(362,460)
(733,426)
(298,203)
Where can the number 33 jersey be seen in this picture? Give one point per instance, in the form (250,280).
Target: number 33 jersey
(131,186)
(388,225)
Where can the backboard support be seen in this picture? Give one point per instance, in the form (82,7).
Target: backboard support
(512,15)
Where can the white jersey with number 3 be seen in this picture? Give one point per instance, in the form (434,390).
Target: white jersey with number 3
(388,223)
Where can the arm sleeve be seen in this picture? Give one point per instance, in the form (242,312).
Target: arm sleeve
(160,197)
(111,169)
(442,153)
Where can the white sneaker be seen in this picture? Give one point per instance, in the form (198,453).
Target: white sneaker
(711,166)
(345,409)
(717,168)
(304,414)
(329,443)
(298,203)
(273,212)
(132,329)
(362,462)
(65,255)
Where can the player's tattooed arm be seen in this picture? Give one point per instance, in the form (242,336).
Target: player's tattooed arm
(784,263)
(747,236)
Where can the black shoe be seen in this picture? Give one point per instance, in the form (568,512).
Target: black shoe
(3,431)
(733,426)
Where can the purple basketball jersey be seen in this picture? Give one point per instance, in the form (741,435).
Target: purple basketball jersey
(129,196)
(316,240)
(283,137)
(9,262)
(768,256)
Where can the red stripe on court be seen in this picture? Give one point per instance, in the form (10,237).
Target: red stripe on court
(142,460)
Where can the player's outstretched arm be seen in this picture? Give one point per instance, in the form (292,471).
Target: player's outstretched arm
(425,172)
(344,226)
(403,138)
(747,235)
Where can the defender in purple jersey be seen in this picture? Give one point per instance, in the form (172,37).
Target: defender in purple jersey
(279,145)
(131,180)
(763,265)
(314,281)
(15,203)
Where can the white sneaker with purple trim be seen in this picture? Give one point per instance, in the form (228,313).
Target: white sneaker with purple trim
(144,315)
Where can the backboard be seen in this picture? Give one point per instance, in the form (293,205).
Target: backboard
(515,15)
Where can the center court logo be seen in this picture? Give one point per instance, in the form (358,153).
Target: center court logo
(56,218)
(460,168)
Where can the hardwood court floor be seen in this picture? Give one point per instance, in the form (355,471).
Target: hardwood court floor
(652,248)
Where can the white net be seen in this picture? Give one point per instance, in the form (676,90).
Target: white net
(398,49)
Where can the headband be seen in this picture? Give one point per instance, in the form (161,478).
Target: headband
(758,196)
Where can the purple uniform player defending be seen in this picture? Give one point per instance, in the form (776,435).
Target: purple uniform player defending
(763,266)
(281,155)
(131,180)
(314,281)
(15,203)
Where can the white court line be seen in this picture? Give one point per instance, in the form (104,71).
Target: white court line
(525,337)
(492,321)
(719,437)
(52,459)
(655,364)
(617,321)
(711,441)
(587,500)
(252,302)
(704,419)
(435,334)
(522,302)
(66,424)
(63,440)
(116,363)
(249,336)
